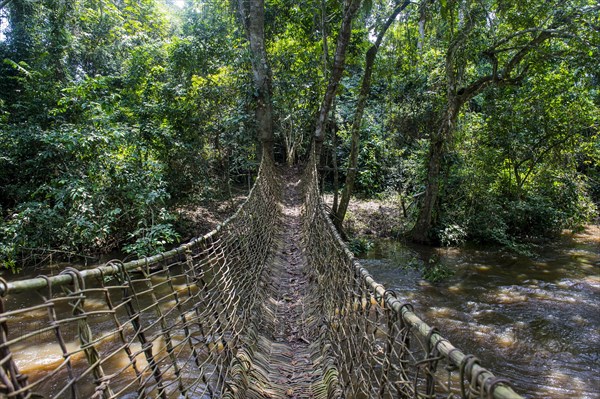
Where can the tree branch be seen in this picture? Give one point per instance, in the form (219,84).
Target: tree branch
(390,21)
(475,88)
(508,38)
(536,160)
(365,88)
(350,10)
(517,58)
(504,78)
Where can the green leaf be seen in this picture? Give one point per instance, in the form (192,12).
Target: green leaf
(444,9)
(367,7)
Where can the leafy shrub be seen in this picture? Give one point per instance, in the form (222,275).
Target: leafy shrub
(360,245)
(97,192)
(453,235)
(436,272)
(432,269)
(149,240)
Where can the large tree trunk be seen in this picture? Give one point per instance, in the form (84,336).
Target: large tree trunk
(350,9)
(340,212)
(365,88)
(336,173)
(421,230)
(456,98)
(252,13)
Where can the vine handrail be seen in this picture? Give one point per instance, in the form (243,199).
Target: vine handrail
(200,320)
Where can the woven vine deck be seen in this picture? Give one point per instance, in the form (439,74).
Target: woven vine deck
(271,304)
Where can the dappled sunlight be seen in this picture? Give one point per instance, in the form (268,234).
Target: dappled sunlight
(561,271)
(580,320)
(521,277)
(592,281)
(483,268)
(133,126)
(95,304)
(37,359)
(533,321)
(589,267)
(424,283)
(506,338)
(507,295)
(540,265)
(557,381)
(565,284)
(591,234)
(456,288)
(481,331)
(443,312)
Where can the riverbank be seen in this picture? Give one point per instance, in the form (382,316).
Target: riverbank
(373,217)
(384,218)
(533,319)
(194,220)
(589,234)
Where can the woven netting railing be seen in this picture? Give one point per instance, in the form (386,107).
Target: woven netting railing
(164,326)
(197,322)
(382,349)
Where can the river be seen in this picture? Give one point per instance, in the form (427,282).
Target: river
(535,320)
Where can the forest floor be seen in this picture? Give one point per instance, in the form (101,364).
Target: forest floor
(365,217)
(589,234)
(194,220)
(373,217)
(382,218)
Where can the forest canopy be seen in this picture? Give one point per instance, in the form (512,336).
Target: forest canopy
(480,117)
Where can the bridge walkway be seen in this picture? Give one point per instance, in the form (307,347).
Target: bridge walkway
(288,370)
(270,304)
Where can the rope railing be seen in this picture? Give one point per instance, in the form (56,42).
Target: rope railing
(382,348)
(165,326)
(204,320)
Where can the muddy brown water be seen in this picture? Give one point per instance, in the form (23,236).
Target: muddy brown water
(38,355)
(535,320)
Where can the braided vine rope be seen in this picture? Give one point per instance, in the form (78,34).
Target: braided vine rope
(382,348)
(165,326)
(203,321)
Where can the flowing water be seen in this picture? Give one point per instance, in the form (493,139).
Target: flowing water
(535,320)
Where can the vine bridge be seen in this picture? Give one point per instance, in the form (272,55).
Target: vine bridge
(270,304)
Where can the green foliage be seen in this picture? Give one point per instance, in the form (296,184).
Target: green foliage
(521,161)
(431,268)
(85,189)
(360,245)
(452,235)
(113,112)
(435,271)
(519,175)
(150,240)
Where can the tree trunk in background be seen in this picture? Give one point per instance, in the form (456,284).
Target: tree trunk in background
(457,96)
(350,10)
(422,20)
(336,173)
(252,13)
(365,88)
(421,229)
